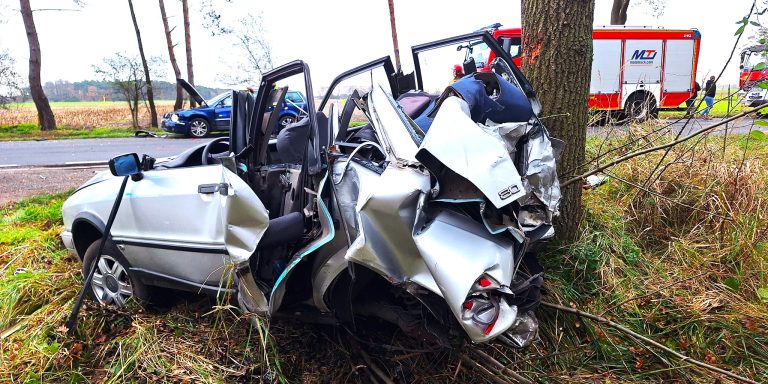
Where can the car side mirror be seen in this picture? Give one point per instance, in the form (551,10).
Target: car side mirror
(125,165)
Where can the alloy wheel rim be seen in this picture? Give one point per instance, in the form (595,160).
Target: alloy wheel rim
(198,128)
(110,283)
(287,120)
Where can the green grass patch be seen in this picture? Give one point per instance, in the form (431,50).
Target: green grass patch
(33,132)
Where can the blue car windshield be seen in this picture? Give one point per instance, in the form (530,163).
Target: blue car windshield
(215,100)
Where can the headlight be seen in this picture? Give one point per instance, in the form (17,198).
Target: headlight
(175,118)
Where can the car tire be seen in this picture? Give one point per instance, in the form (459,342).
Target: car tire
(641,107)
(113,283)
(286,120)
(199,127)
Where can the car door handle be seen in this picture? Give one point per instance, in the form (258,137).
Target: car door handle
(222,188)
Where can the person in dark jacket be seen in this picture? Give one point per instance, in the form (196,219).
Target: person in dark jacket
(709,96)
(690,103)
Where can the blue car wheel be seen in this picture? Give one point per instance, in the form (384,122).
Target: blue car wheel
(199,127)
(286,120)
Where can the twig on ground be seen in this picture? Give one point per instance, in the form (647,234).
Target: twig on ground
(621,328)
(369,363)
(490,375)
(501,368)
(14,258)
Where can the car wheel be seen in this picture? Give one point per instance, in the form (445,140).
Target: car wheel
(286,120)
(199,127)
(113,283)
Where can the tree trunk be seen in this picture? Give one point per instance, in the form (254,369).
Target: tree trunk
(619,12)
(172,57)
(147,78)
(188,44)
(45,118)
(394,34)
(557,59)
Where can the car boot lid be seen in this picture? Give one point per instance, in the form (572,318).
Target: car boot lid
(192,92)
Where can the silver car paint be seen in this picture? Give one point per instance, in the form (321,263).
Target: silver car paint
(477,154)
(156,211)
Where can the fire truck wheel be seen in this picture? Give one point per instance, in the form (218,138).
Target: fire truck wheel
(641,107)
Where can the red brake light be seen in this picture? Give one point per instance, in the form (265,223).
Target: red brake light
(484,282)
(489,328)
(468,304)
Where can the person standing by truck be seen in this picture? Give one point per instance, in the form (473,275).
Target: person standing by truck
(690,104)
(709,96)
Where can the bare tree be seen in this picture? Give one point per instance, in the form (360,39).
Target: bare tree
(252,50)
(45,118)
(188,45)
(10,87)
(147,77)
(172,57)
(620,7)
(553,29)
(126,73)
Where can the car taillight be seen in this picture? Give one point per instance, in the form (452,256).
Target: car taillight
(485,283)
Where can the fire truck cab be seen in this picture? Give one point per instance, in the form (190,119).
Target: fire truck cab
(635,70)
(753,70)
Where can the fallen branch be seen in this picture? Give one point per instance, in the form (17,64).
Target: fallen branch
(490,375)
(14,258)
(370,365)
(659,147)
(501,368)
(619,327)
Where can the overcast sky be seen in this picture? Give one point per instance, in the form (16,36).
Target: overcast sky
(331,35)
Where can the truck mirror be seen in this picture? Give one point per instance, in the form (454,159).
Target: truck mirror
(469,66)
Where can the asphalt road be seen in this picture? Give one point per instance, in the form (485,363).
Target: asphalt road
(62,152)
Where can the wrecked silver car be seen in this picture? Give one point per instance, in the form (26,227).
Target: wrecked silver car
(424,210)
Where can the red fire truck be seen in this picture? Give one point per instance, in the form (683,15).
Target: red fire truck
(637,70)
(753,70)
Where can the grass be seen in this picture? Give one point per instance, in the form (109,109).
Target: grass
(106,103)
(75,120)
(33,132)
(721,108)
(690,279)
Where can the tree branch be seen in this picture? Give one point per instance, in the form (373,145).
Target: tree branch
(604,321)
(659,147)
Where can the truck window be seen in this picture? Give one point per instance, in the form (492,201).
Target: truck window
(478,51)
(754,58)
(513,45)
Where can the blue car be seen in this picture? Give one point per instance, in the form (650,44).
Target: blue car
(214,114)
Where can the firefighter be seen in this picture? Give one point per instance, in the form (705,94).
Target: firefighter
(458,73)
